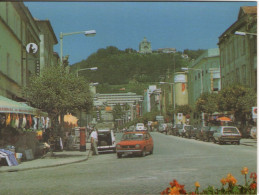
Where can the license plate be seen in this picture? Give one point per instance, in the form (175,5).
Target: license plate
(128,152)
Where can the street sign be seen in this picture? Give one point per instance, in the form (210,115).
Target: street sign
(254,112)
(32,48)
(179,116)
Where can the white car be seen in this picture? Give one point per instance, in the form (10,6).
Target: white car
(253,132)
(106,140)
(140,127)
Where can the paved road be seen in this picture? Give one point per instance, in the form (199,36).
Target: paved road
(186,160)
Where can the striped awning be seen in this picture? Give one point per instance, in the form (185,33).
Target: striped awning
(11,106)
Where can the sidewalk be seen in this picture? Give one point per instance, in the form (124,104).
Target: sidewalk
(248,142)
(59,158)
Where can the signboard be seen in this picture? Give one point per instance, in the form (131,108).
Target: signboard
(160,118)
(254,112)
(32,48)
(179,116)
(180,78)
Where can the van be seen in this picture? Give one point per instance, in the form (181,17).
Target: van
(140,127)
(106,140)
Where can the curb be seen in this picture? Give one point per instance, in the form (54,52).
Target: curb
(48,166)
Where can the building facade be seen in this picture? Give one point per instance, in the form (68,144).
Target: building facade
(20,48)
(106,102)
(238,54)
(204,75)
(47,40)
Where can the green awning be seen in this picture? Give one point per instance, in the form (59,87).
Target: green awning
(11,106)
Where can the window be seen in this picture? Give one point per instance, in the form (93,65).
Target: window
(244,74)
(8,63)
(237,76)
(243,46)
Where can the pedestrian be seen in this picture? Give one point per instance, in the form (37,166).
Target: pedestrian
(94,142)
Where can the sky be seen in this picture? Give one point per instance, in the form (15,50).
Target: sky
(180,25)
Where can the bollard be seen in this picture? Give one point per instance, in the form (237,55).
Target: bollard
(82,139)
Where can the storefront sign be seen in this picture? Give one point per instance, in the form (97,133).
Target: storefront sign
(180,78)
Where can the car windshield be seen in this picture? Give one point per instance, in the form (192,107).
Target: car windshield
(132,136)
(228,130)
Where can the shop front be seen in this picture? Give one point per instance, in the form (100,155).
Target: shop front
(22,128)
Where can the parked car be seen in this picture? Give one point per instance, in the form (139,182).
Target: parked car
(135,143)
(253,132)
(208,133)
(106,140)
(190,131)
(200,131)
(163,128)
(246,131)
(182,129)
(140,127)
(225,134)
(175,129)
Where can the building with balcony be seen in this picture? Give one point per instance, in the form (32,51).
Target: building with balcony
(238,54)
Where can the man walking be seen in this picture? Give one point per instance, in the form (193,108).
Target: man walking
(94,142)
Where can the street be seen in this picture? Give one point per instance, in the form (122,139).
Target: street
(186,160)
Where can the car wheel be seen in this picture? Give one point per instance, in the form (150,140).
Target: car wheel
(214,140)
(143,153)
(221,142)
(119,155)
(151,151)
(238,142)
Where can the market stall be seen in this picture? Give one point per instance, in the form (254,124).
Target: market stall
(21,126)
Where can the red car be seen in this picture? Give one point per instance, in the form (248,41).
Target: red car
(132,143)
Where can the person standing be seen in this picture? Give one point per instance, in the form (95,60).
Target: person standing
(94,142)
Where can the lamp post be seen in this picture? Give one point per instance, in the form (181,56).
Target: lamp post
(172,84)
(93,68)
(244,33)
(200,70)
(89,33)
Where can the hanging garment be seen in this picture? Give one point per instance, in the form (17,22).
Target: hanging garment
(13,118)
(20,121)
(42,122)
(8,119)
(24,121)
(16,121)
(47,123)
(30,121)
(35,123)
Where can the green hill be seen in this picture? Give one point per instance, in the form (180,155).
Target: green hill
(129,69)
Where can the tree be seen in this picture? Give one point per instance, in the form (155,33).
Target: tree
(238,100)
(207,103)
(185,109)
(117,112)
(58,92)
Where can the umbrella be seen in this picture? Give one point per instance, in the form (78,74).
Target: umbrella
(224,119)
(70,119)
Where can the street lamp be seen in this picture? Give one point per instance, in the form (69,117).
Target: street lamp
(89,33)
(93,68)
(244,33)
(172,84)
(186,69)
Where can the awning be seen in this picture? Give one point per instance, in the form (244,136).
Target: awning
(223,119)
(11,106)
